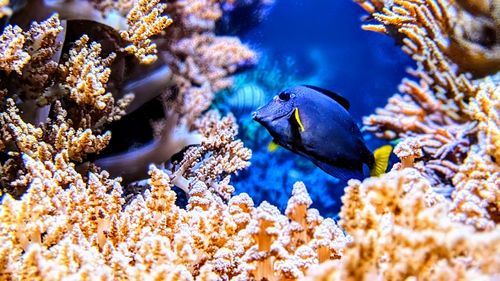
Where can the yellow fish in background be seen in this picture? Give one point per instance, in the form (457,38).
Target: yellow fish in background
(272,146)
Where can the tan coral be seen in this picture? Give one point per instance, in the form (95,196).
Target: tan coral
(82,229)
(435,111)
(219,154)
(283,255)
(67,232)
(200,14)
(145,21)
(13,56)
(201,61)
(59,143)
(476,200)
(221,55)
(408,150)
(44,41)
(457,34)
(32,49)
(87,74)
(477,196)
(485,109)
(198,71)
(400,229)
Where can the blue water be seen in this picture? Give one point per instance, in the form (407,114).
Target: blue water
(318,42)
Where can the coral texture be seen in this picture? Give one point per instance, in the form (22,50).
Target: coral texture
(12,42)
(400,228)
(56,233)
(56,62)
(65,214)
(144,21)
(34,119)
(450,120)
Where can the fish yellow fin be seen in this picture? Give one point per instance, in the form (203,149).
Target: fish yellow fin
(272,146)
(381,156)
(297,118)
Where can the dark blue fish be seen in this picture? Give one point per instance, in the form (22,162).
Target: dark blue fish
(315,123)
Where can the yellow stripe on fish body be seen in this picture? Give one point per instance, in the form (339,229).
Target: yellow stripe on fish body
(297,118)
(381,156)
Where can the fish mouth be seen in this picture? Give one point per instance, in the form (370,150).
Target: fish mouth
(269,118)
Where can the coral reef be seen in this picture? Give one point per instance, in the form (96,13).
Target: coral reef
(67,233)
(96,83)
(400,229)
(144,21)
(452,27)
(449,118)
(67,212)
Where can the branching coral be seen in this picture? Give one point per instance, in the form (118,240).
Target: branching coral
(218,155)
(476,200)
(446,112)
(198,15)
(73,218)
(44,45)
(32,54)
(200,66)
(65,134)
(14,57)
(52,143)
(80,77)
(61,232)
(35,65)
(477,196)
(469,41)
(44,157)
(87,75)
(442,90)
(223,54)
(144,21)
(200,60)
(400,229)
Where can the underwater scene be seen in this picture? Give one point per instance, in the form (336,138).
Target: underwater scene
(327,49)
(250,140)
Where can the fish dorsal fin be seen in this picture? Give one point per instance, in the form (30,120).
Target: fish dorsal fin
(381,156)
(338,98)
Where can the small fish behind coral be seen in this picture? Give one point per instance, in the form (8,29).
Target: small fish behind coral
(246,98)
(314,122)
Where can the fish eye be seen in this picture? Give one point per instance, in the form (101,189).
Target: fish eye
(284,96)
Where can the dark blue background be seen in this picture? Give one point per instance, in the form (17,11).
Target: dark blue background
(325,42)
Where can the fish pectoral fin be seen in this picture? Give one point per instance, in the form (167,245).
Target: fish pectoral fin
(296,117)
(381,156)
(341,173)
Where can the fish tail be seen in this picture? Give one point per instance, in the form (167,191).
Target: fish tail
(381,156)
